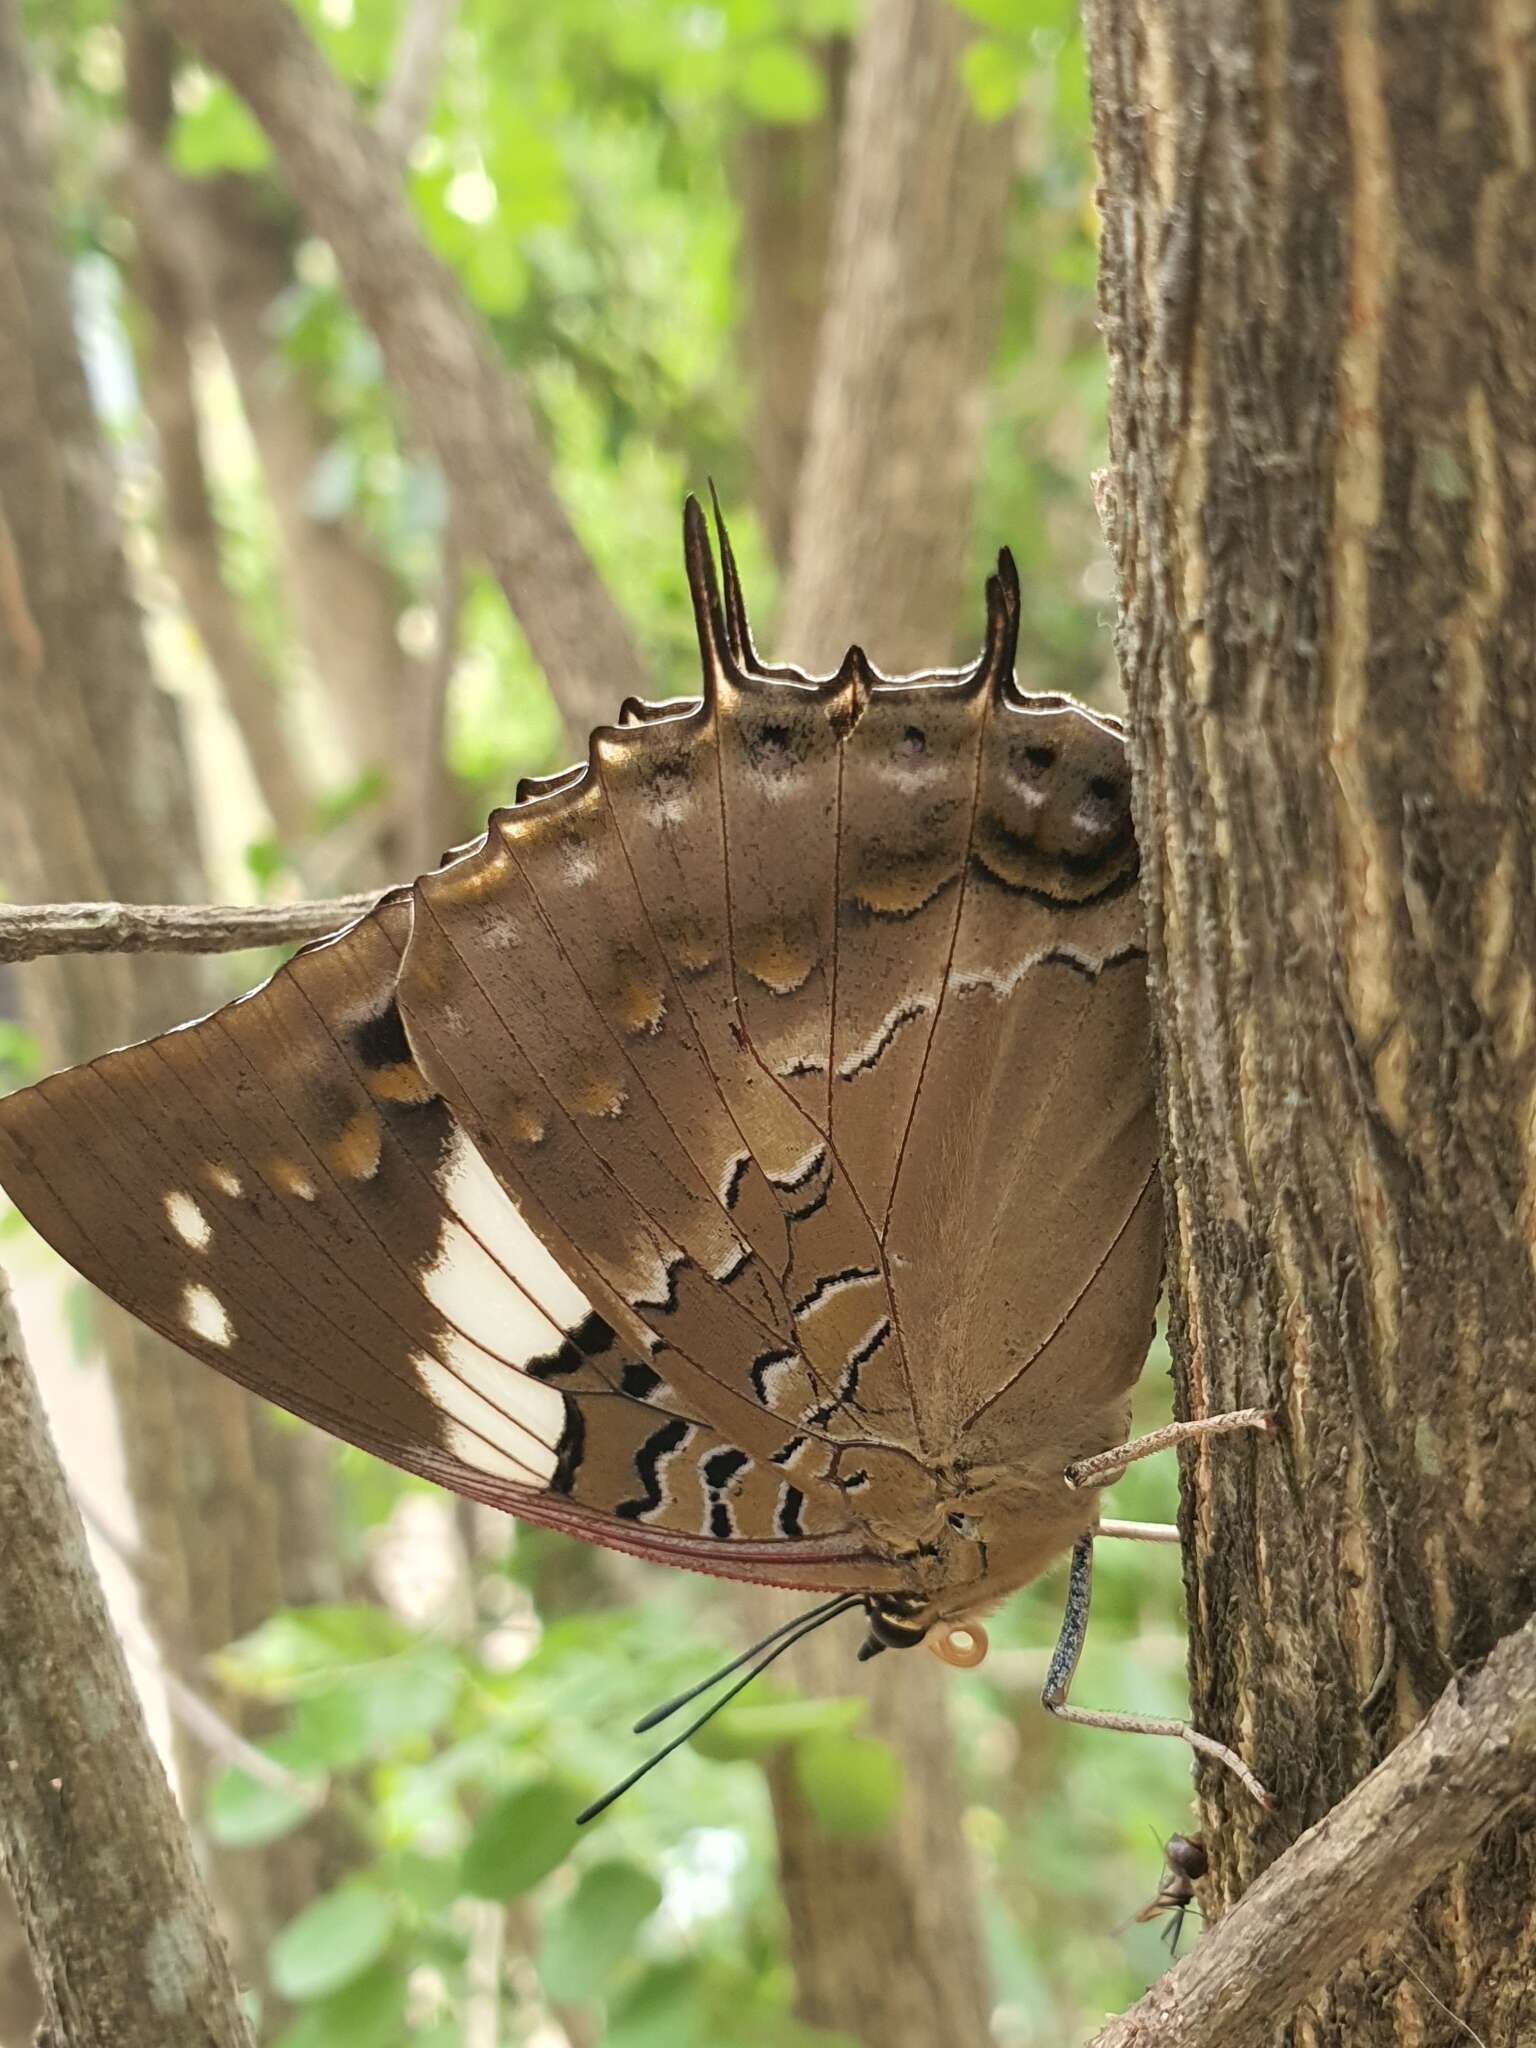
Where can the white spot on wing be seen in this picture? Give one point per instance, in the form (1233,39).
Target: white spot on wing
(188,1221)
(204,1314)
(226,1182)
(482,1431)
(535,1408)
(472,1292)
(478,1199)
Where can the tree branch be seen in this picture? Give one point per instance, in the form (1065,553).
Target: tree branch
(119,1924)
(405,106)
(1359,1869)
(36,931)
(470,408)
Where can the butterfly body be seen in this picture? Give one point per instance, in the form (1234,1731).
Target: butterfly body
(743,1155)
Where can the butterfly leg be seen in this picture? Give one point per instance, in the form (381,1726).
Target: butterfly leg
(1058,1682)
(1140,1532)
(1095,1471)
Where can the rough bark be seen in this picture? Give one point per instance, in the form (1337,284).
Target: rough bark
(882,523)
(1319,272)
(464,402)
(887,485)
(121,1930)
(785,179)
(97,803)
(21,2003)
(1466,1766)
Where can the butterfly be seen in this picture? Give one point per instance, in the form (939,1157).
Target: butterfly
(742,1155)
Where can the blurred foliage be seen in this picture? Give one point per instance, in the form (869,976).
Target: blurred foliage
(576,174)
(459,1746)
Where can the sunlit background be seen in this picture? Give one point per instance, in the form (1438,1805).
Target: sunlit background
(583,167)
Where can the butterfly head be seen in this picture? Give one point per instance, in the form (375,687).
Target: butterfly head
(900,1621)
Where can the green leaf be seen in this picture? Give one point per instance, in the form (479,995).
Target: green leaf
(1017,18)
(220,135)
(852,1783)
(758,1727)
(779,82)
(283,1658)
(332,1942)
(369,2013)
(666,2009)
(369,1714)
(243,1812)
(520,1839)
(592,1935)
(994,76)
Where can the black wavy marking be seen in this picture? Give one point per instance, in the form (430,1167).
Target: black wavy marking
(977,980)
(907,1014)
(846,1395)
(791,1184)
(1086,968)
(648,1459)
(787,1519)
(555,1365)
(829,1283)
(764,1364)
(668,1302)
(570,1449)
(736,1179)
(801,1069)
(639,1382)
(818,1201)
(782,1457)
(590,1339)
(719,1469)
(741,1259)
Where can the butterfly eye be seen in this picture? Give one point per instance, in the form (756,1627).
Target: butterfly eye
(963,1644)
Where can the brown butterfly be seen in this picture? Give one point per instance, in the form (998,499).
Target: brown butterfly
(743,1155)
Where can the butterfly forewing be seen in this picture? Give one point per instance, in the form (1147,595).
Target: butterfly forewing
(745,1139)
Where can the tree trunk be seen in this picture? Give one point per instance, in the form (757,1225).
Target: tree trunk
(121,1930)
(888,480)
(785,176)
(882,525)
(1319,272)
(98,806)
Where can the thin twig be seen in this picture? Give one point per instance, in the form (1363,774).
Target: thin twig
(1359,1869)
(32,931)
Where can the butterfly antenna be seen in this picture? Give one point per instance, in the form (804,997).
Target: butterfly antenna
(806,1625)
(659,1714)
